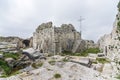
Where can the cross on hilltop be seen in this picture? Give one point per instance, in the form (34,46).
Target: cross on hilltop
(80,20)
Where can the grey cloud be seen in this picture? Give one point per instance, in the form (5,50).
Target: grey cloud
(21,17)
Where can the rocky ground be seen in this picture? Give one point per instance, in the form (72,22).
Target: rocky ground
(60,69)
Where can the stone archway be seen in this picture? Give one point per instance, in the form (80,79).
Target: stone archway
(26,43)
(41,51)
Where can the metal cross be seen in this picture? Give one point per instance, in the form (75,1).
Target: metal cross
(80,20)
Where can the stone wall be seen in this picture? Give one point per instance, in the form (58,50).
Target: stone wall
(15,40)
(51,39)
(110,43)
(90,44)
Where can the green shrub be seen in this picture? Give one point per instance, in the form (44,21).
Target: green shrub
(84,53)
(40,64)
(35,65)
(48,69)
(14,73)
(118,26)
(7,69)
(119,38)
(66,53)
(102,60)
(12,55)
(65,60)
(11,74)
(92,50)
(118,77)
(95,62)
(57,75)
(117,18)
(116,31)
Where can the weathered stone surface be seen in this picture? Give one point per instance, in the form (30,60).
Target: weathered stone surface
(110,45)
(10,61)
(69,71)
(44,26)
(90,44)
(49,39)
(14,42)
(79,46)
(1,56)
(99,67)
(9,39)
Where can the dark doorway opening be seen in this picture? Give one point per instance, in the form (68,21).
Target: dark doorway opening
(41,51)
(26,43)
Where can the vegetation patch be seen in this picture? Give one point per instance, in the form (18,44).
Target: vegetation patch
(11,74)
(118,26)
(118,77)
(92,50)
(84,53)
(1,52)
(48,69)
(102,60)
(40,64)
(35,65)
(57,75)
(64,53)
(65,59)
(95,62)
(7,69)
(12,55)
(119,38)
(52,62)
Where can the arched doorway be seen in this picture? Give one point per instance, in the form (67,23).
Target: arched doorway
(41,51)
(26,42)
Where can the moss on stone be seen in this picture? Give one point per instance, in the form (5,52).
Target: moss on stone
(118,26)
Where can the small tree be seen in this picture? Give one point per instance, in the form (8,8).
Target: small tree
(57,75)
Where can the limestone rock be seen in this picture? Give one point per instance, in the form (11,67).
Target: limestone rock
(14,42)
(110,44)
(1,56)
(44,26)
(69,71)
(90,44)
(49,39)
(10,61)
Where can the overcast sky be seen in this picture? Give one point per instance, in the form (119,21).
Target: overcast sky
(21,17)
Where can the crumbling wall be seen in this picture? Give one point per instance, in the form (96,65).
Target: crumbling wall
(55,39)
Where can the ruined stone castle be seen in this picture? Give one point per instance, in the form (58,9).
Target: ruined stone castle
(50,39)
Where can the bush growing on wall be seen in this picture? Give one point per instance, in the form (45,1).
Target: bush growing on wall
(118,26)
